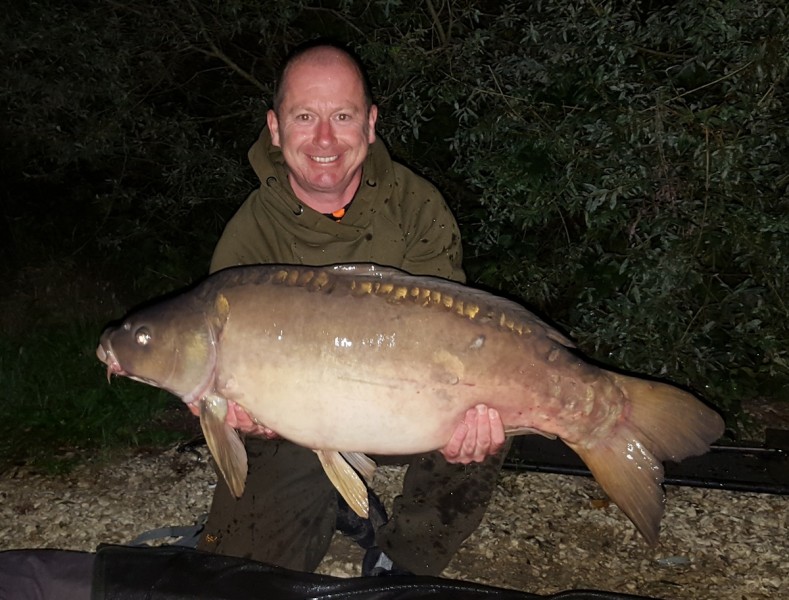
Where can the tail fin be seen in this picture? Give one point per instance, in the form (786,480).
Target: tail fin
(663,423)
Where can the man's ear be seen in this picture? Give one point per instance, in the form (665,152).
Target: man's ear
(273,127)
(372,117)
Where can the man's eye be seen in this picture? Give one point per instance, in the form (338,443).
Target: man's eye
(343,117)
(303,117)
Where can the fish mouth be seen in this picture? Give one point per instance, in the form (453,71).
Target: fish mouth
(106,356)
(114,367)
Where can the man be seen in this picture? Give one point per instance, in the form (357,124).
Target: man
(329,194)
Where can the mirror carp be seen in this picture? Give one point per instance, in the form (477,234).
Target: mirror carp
(359,359)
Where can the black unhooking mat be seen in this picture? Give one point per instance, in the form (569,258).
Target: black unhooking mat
(171,573)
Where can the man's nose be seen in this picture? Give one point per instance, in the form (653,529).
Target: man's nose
(324,133)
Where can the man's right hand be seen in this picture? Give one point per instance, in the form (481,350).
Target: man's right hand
(481,434)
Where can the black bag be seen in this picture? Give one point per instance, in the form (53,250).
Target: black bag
(168,573)
(177,573)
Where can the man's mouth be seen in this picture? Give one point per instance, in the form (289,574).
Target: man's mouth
(325,159)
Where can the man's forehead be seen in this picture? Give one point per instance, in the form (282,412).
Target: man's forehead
(324,57)
(311,87)
(318,72)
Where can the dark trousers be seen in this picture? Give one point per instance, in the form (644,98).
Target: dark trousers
(287,513)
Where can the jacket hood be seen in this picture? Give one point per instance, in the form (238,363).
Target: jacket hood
(266,158)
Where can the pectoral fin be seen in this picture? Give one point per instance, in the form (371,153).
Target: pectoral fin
(224,442)
(361,462)
(346,480)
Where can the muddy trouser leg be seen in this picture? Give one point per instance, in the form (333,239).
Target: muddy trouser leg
(441,505)
(286,515)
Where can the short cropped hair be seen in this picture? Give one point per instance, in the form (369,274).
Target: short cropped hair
(304,50)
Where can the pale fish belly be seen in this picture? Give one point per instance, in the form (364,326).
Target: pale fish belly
(361,411)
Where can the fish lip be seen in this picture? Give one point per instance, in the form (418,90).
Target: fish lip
(107,356)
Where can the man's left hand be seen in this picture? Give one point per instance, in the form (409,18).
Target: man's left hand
(481,434)
(239,419)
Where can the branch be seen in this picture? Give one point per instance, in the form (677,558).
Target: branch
(338,15)
(442,36)
(216,52)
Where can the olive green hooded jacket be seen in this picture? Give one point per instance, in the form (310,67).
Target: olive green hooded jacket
(395,219)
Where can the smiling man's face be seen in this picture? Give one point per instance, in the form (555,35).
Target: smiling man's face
(324,128)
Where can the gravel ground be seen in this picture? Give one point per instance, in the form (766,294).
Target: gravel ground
(543,533)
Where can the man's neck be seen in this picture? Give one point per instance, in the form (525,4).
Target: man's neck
(328,203)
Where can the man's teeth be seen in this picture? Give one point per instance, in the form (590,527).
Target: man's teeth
(325,159)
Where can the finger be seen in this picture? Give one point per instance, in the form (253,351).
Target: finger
(455,444)
(482,447)
(232,418)
(270,433)
(496,430)
(470,443)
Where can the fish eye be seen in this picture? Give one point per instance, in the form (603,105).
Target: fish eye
(142,336)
